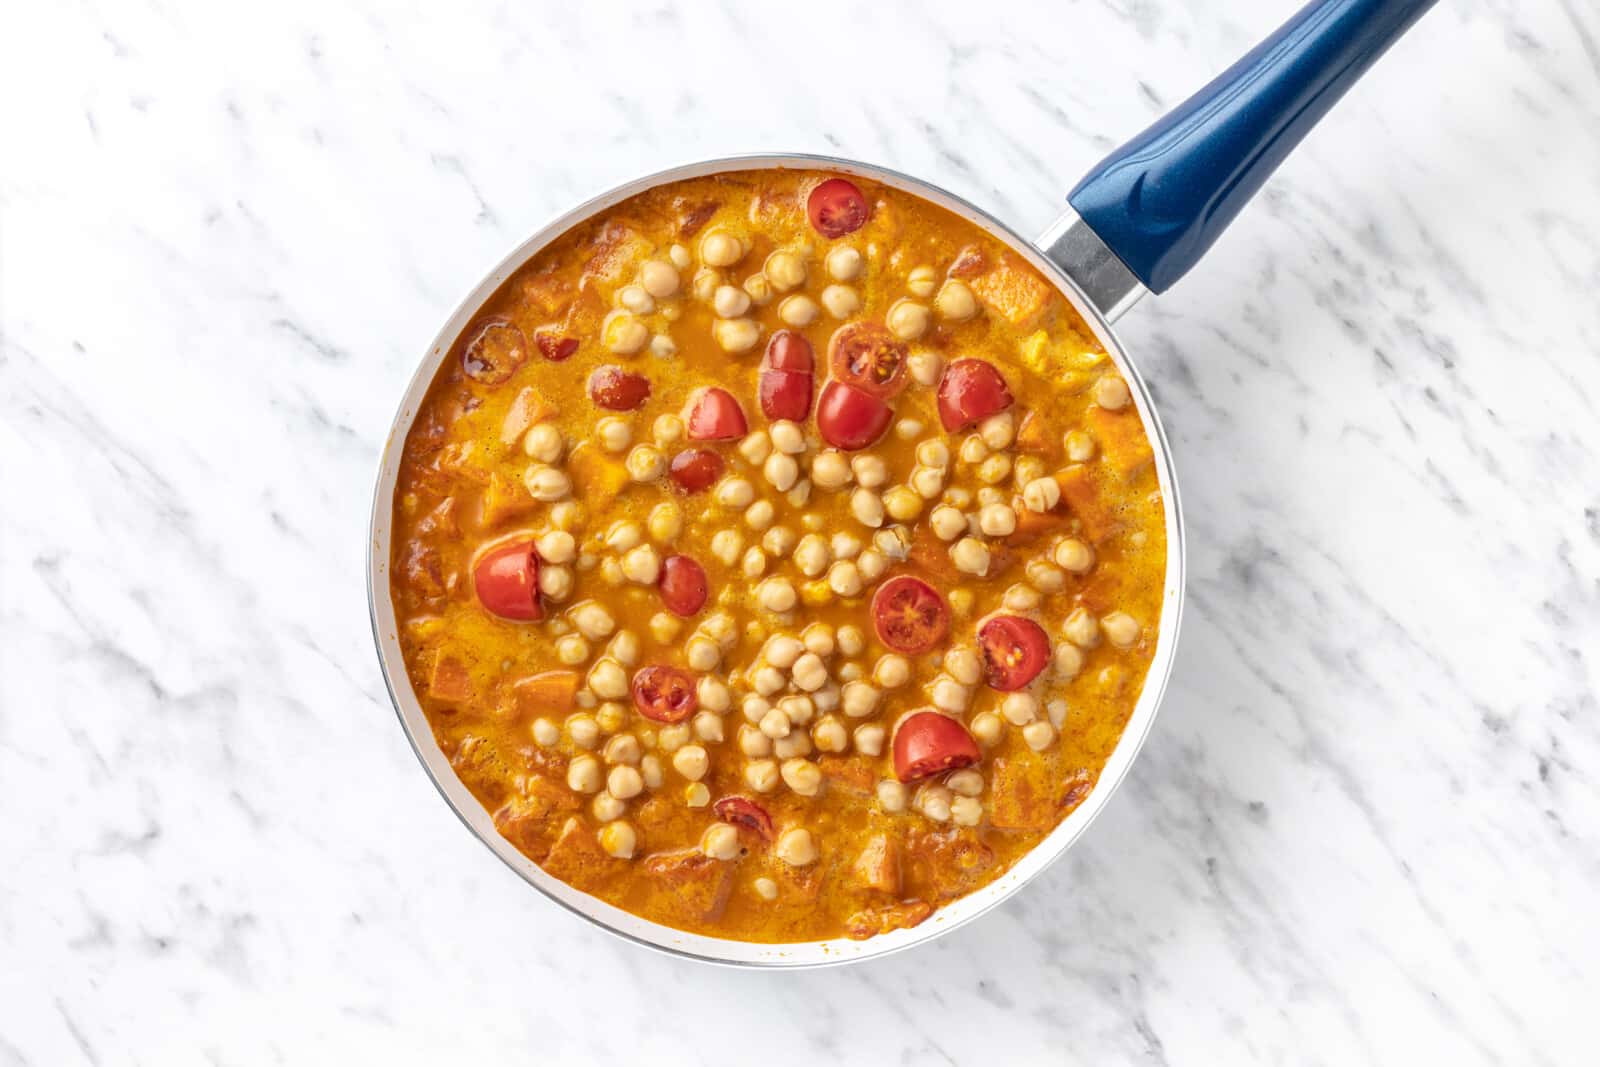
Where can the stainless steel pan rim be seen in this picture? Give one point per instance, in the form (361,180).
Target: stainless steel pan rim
(624,924)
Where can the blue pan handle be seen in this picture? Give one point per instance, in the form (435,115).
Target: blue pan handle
(1158,202)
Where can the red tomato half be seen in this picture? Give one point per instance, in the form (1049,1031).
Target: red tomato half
(867,356)
(741,811)
(786,377)
(713,414)
(616,389)
(928,743)
(850,419)
(789,351)
(664,694)
(695,469)
(909,615)
(1014,651)
(507,582)
(836,207)
(555,345)
(683,585)
(970,391)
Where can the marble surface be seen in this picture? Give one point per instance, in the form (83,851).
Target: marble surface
(1365,829)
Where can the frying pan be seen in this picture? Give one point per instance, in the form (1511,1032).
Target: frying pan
(1134,225)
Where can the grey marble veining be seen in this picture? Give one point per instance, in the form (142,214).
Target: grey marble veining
(1365,829)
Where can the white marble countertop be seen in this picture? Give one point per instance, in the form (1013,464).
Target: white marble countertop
(1365,828)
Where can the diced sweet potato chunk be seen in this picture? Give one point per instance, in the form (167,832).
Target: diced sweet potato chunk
(1011,289)
(952,861)
(1099,517)
(1026,795)
(503,500)
(595,475)
(870,922)
(577,858)
(548,291)
(853,773)
(1037,437)
(482,768)
(802,885)
(525,820)
(528,408)
(878,866)
(697,885)
(546,693)
(615,249)
(1122,439)
(450,682)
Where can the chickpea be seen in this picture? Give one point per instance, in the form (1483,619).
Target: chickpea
(987,728)
(625,648)
(1081,629)
(734,334)
(997,520)
(696,795)
(782,650)
(922,281)
(970,556)
(831,470)
(779,541)
(659,279)
(761,775)
(641,565)
(1121,629)
(623,334)
(859,699)
(592,620)
(702,654)
(907,320)
(1080,446)
(809,672)
(636,300)
(662,346)
(781,471)
(1039,735)
(1021,598)
(801,776)
(891,671)
(759,516)
(798,311)
(607,807)
(869,739)
(947,694)
(947,522)
(796,848)
(1041,495)
(994,469)
(871,564)
(925,367)
(1112,393)
(708,727)
(998,431)
(891,796)
(1067,660)
(1019,709)
(776,595)
(964,666)
(665,627)
(844,263)
(665,522)
(966,811)
(584,775)
(720,841)
(867,507)
(902,503)
(618,839)
(845,579)
(956,301)
(1074,556)
(788,437)
(645,463)
(623,748)
(546,483)
(691,761)
(543,442)
(812,555)
(572,650)
(759,289)
(934,802)
(718,249)
(841,301)
(850,639)
(966,783)
(785,271)
(556,582)
(730,302)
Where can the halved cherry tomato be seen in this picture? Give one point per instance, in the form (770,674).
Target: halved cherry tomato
(836,207)
(1014,651)
(785,381)
(789,351)
(713,414)
(495,353)
(970,391)
(909,615)
(618,390)
(507,582)
(867,356)
(928,743)
(850,419)
(555,345)
(742,811)
(664,694)
(695,469)
(683,585)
